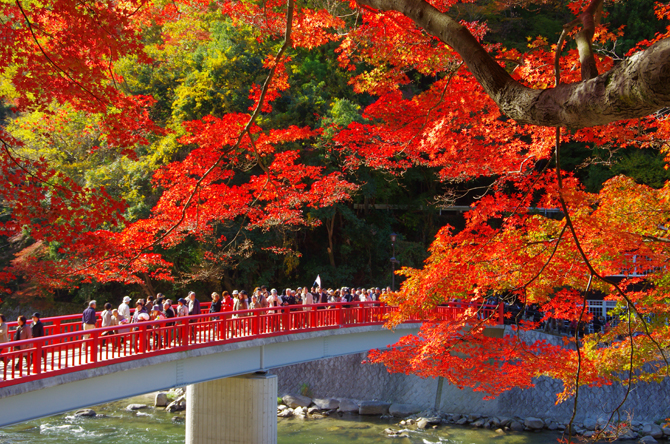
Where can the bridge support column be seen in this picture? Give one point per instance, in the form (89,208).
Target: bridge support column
(239,409)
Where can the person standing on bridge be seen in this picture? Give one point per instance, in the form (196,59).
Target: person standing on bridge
(160,300)
(139,309)
(37,329)
(193,304)
(88,320)
(193,309)
(88,317)
(236,301)
(169,314)
(215,307)
(106,315)
(273,300)
(182,308)
(4,336)
(124,308)
(21,333)
(227,302)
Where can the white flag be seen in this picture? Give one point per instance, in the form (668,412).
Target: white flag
(317,281)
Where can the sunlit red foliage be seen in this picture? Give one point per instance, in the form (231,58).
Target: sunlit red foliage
(235,170)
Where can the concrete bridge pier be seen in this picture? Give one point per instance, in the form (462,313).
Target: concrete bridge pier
(239,409)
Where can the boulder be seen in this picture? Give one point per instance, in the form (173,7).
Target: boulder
(395,433)
(479,423)
(534,423)
(312,410)
(299,411)
(177,405)
(84,412)
(462,421)
(373,408)
(590,424)
(161,399)
(294,401)
(285,413)
(516,426)
(647,440)
(653,430)
(602,421)
(326,403)
(348,405)
(505,421)
(177,392)
(422,424)
(282,407)
(136,406)
(666,431)
(402,410)
(627,436)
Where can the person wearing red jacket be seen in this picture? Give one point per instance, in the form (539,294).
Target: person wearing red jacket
(226,302)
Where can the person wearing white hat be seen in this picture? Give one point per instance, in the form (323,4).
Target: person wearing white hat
(124,314)
(124,308)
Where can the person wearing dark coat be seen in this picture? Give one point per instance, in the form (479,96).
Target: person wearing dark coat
(21,333)
(37,329)
(193,305)
(216,303)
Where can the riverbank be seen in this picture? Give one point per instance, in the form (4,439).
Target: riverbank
(347,377)
(602,428)
(115,423)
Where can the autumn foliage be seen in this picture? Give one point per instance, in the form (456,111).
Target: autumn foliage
(235,168)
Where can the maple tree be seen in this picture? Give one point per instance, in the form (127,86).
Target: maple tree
(482,112)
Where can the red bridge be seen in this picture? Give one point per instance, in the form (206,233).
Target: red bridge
(40,373)
(67,348)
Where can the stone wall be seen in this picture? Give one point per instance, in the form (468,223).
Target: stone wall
(347,377)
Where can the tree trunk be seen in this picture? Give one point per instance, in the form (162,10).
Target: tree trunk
(147,286)
(330,226)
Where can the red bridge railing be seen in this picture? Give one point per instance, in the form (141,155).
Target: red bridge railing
(66,348)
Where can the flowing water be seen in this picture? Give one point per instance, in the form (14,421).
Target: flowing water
(116,425)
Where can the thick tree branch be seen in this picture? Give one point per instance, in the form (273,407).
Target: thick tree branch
(584,39)
(636,87)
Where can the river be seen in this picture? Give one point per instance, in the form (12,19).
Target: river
(114,424)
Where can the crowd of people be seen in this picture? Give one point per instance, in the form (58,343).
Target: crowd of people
(23,331)
(159,307)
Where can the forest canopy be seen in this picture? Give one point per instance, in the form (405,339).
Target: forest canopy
(151,145)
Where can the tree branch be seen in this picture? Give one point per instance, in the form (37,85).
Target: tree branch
(636,87)
(584,39)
